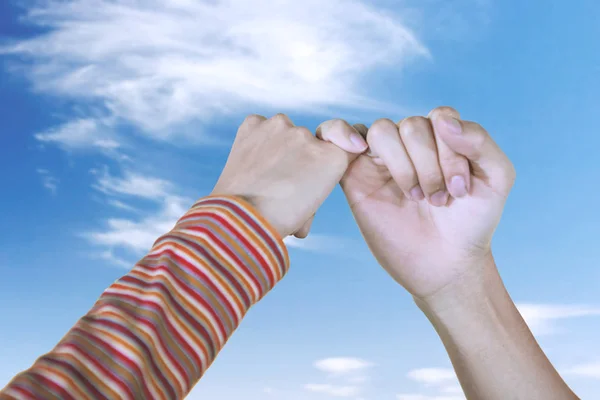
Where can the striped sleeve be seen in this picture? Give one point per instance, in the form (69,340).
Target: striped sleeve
(154,332)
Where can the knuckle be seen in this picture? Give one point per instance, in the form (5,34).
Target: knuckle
(414,125)
(479,141)
(479,137)
(445,110)
(338,124)
(384,124)
(253,119)
(381,127)
(281,119)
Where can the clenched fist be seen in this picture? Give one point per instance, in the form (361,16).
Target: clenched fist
(284,171)
(427,197)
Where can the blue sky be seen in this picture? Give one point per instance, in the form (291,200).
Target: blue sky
(116,115)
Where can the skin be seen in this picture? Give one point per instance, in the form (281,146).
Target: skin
(427,198)
(284,171)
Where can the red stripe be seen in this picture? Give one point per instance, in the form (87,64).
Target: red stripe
(218,265)
(147,352)
(121,359)
(248,218)
(65,395)
(70,369)
(90,358)
(162,319)
(201,277)
(249,246)
(26,391)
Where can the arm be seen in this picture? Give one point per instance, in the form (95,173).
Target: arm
(155,331)
(491,348)
(427,199)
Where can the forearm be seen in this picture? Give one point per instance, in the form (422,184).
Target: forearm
(492,349)
(155,331)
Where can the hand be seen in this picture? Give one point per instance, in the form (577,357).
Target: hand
(284,171)
(428,198)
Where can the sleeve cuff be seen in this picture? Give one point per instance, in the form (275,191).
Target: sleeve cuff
(243,239)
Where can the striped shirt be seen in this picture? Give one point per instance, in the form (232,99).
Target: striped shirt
(155,331)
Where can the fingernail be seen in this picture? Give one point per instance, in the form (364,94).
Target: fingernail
(452,124)
(358,141)
(458,186)
(439,199)
(416,193)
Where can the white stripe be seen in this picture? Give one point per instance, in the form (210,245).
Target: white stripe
(199,264)
(255,290)
(155,343)
(156,273)
(87,361)
(220,210)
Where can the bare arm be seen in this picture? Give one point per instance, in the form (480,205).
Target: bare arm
(493,351)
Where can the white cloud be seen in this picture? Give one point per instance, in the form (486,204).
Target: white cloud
(589,370)
(158,64)
(347,376)
(542,318)
(342,365)
(132,184)
(333,390)
(452,388)
(135,235)
(442,380)
(120,205)
(425,397)
(432,376)
(108,255)
(48,180)
(79,134)
(139,235)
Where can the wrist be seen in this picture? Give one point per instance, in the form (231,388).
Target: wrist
(473,291)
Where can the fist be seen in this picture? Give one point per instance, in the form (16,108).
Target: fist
(428,197)
(284,171)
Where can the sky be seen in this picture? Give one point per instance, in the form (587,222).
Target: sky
(115,115)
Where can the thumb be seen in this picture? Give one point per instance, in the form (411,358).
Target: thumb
(343,135)
(488,161)
(303,232)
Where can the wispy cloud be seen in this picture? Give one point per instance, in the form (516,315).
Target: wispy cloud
(81,134)
(164,206)
(186,60)
(342,365)
(139,235)
(109,256)
(543,319)
(48,180)
(432,376)
(346,376)
(443,381)
(121,205)
(132,184)
(425,397)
